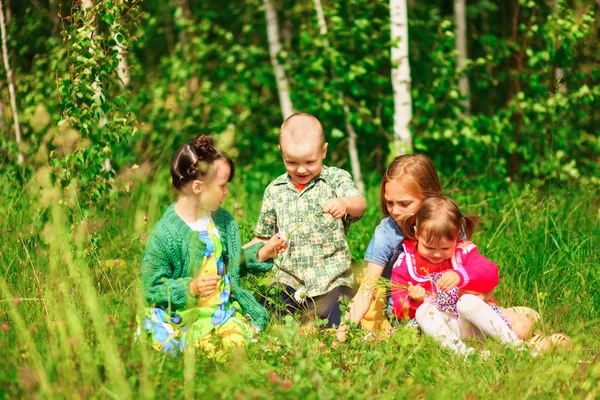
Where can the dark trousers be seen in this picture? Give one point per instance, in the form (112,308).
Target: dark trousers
(326,306)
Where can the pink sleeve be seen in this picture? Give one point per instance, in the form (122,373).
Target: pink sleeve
(478,273)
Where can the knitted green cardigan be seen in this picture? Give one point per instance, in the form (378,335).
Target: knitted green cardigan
(173,257)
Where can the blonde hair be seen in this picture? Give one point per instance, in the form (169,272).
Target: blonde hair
(438,218)
(416,173)
(298,125)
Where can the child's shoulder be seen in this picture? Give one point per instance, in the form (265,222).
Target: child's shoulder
(222,216)
(466,246)
(335,174)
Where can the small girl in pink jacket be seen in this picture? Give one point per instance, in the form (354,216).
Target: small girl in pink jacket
(431,277)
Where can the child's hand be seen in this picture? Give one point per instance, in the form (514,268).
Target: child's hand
(341,333)
(416,293)
(335,207)
(448,281)
(204,286)
(272,247)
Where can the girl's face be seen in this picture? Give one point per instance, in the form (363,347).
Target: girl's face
(436,251)
(213,193)
(399,202)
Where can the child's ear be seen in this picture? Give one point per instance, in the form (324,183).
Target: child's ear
(325,150)
(197,186)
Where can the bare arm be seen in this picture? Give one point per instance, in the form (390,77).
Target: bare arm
(362,300)
(355,206)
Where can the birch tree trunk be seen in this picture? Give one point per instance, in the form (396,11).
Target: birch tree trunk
(400,77)
(460,24)
(85,6)
(559,72)
(353,152)
(11,86)
(283,86)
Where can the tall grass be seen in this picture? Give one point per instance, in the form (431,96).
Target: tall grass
(70,295)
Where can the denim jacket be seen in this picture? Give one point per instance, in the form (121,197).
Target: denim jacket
(385,246)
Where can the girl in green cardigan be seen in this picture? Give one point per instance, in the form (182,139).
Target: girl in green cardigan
(193,261)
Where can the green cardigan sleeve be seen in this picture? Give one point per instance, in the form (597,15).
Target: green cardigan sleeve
(160,284)
(237,268)
(250,260)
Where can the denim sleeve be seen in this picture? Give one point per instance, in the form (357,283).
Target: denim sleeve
(384,243)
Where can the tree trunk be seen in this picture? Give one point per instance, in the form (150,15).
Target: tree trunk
(460,24)
(283,87)
(559,72)
(400,77)
(85,6)
(187,14)
(352,151)
(53,9)
(11,86)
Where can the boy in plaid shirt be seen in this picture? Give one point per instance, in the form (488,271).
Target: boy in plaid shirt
(316,204)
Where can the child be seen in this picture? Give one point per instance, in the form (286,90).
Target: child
(435,264)
(315,271)
(193,259)
(408,181)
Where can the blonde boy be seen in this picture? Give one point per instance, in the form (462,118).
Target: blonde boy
(317,203)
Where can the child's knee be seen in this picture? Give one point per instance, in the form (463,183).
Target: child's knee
(468,304)
(521,325)
(426,311)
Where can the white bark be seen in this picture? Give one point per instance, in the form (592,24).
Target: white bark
(401,77)
(559,72)
(123,68)
(460,26)
(283,86)
(353,152)
(85,6)
(11,86)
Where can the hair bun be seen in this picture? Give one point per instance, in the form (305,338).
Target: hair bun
(204,144)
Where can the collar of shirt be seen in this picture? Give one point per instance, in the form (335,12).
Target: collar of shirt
(286,180)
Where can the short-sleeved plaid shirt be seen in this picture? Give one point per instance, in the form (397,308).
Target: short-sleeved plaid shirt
(317,257)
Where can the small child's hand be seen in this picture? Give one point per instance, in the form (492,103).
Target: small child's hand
(416,293)
(336,207)
(204,286)
(449,280)
(272,247)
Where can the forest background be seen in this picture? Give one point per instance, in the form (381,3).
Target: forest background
(96,96)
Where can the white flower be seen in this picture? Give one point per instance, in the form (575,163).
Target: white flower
(283,235)
(300,295)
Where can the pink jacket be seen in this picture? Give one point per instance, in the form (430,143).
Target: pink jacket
(475,271)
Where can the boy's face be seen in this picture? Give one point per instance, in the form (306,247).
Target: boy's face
(303,161)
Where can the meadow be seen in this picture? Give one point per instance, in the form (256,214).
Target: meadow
(70,293)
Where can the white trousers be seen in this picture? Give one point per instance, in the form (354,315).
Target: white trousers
(475,319)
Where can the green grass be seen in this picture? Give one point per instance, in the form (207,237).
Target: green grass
(70,334)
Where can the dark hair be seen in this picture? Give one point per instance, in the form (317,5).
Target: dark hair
(195,159)
(416,173)
(438,217)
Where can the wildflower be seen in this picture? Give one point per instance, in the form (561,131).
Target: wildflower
(273,377)
(286,384)
(5,327)
(143,239)
(300,295)
(146,218)
(236,206)
(283,235)
(240,213)
(16,301)
(485,203)
(115,261)
(71,341)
